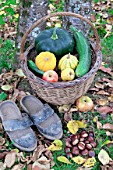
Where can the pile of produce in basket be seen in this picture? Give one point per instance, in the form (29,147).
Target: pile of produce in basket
(61,56)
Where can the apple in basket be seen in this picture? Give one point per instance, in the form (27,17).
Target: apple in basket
(84,104)
(50,76)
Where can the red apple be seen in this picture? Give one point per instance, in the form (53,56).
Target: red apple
(84,104)
(50,76)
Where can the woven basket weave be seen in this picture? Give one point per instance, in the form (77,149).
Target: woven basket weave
(59,93)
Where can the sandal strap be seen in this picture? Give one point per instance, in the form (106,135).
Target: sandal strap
(17,124)
(54,129)
(42,115)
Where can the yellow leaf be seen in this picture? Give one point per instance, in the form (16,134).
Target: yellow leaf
(107,142)
(78,160)
(16,15)
(63,159)
(103,157)
(81,124)
(72,126)
(58,142)
(56,145)
(90,162)
(2,12)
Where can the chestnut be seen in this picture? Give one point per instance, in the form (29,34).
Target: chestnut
(81,139)
(84,134)
(90,139)
(66,149)
(81,145)
(91,134)
(88,146)
(91,153)
(86,141)
(68,143)
(93,143)
(69,154)
(75,150)
(74,139)
(84,152)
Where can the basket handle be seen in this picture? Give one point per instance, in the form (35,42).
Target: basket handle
(45,18)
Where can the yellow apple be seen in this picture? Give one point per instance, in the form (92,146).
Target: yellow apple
(84,104)
(67,74)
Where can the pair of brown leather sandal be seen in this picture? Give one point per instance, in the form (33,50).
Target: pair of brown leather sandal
(18,125)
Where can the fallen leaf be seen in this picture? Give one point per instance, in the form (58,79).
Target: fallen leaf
(2,166)
(106,142)
(78,160)
(110,98)
(63,108)
(35,168)
(72,126)
(3,96)
(104,110)
(99,125)
(99,85)
(18,167)
(81,124)
(108,126)
(10,159)
(102,92)
(67,116)
(3,154)
(38,152)
(90,162)
(106,70)
(110,84)
(42,163)
(102,102)
(2,140)
(63,159)
(56,145)
(103,157)
(6,87)
(20,73)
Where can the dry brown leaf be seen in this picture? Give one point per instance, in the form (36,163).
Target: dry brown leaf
(110,84)
(99,125)
(3,154)
(67,116)
(108,126)
(42,163)
(102,102)
(106,79)
(104,110)
(99,85)
(18,167)
(2,140)
(110,98)
(38,152)
(10,159)
(1,128)
(94,89)
(102,92)
(103,157)
(106,70)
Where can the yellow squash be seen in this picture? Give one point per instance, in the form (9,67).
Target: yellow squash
(68,61)
(45,61)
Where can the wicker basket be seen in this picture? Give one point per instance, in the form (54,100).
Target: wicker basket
(60,93)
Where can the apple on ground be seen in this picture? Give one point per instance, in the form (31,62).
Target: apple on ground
(84,104)
(50,76)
